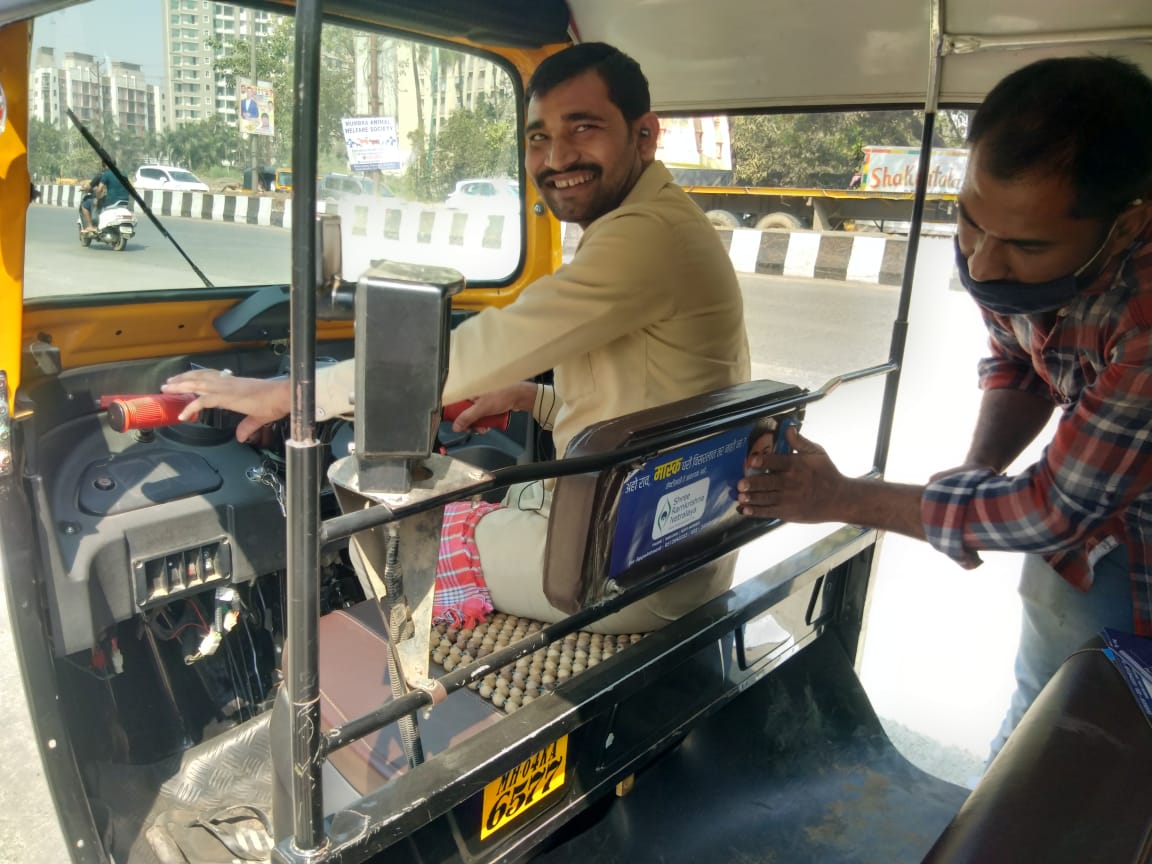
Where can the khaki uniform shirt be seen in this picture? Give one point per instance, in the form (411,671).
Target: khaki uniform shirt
(648,311)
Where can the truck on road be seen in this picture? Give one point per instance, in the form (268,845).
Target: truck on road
(879,197)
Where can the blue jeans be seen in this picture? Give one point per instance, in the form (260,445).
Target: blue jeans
(1057,620)
(89,203)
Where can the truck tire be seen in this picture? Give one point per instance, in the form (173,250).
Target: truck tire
(722,219)
(785,221)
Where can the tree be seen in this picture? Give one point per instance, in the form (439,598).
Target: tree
(275,61)
(210,142)
(55,151)
(337,85)
(417,174)
(824,150)
(471,143)
(47,150)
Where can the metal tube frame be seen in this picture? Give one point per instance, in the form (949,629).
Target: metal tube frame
(343,526)
(900,325)
(302,454)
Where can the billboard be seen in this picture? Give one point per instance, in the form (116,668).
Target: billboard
(893,169)
(372,143)
(255,107)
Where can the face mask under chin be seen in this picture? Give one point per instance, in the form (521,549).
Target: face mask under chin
(1025,298)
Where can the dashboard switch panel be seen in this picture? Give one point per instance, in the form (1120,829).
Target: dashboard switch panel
(161,578)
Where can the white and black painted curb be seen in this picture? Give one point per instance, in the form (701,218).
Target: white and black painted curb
(248,209)
(844,255)
(848,256)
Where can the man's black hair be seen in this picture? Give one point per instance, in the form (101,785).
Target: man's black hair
(1087,118)
(627,86)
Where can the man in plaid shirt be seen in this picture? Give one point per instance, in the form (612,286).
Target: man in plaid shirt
(1054,243)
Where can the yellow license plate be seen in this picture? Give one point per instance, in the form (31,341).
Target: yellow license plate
(522,788)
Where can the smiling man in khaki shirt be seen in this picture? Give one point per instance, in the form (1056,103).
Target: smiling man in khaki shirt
(647,312)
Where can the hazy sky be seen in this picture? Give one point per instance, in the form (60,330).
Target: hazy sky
(127,30)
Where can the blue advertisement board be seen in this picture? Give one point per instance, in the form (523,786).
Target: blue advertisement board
(678,495)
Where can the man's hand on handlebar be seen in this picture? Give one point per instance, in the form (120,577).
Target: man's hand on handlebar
(517,397)
(265,400)
(261,400)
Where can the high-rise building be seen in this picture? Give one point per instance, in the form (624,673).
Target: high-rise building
(127,97)
(99,91)
(194,32)
(44,88)
(158,106)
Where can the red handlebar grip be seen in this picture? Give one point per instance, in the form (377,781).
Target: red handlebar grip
(494,421)
(108,398)
(146,412)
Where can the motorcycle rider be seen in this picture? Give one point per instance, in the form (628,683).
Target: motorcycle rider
(103,189)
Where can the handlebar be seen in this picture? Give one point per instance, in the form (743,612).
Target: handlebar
(145,411)
(151,410)
(492,421)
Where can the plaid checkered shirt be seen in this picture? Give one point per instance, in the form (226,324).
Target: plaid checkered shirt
(1093,483)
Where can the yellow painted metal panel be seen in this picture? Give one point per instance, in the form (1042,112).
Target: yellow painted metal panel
(15,185)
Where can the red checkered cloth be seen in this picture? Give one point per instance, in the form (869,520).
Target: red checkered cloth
(462,597)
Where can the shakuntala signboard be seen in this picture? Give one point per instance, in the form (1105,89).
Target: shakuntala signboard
(893,169)
(372,143)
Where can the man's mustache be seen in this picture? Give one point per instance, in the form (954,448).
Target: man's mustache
(546,175)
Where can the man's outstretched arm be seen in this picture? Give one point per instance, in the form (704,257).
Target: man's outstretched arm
(805,486)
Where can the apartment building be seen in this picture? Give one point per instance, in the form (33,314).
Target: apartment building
(97,89)
(191,27)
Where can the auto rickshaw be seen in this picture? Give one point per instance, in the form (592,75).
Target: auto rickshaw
(270,179)
(227,651)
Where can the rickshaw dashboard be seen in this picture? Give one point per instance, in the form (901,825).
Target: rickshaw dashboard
(140,518)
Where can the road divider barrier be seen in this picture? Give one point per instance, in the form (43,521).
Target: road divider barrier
(842,255)
(248,209)
(375,228)
(484,245)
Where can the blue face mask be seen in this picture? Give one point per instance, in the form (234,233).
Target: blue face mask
(1025,298)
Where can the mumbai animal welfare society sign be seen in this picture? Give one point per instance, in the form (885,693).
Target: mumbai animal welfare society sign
(372,143)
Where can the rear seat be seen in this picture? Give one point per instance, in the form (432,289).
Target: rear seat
(1070,785)
(576,557)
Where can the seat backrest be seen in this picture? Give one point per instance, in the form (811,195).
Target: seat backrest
(1071,783)
(611,530)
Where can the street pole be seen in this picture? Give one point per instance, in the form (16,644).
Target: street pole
(252,157)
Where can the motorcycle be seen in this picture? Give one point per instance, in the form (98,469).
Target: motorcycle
(114,222)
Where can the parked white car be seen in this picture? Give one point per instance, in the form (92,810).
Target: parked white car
(168,177)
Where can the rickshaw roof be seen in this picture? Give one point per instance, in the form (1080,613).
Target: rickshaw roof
(749,53)
(743,54)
